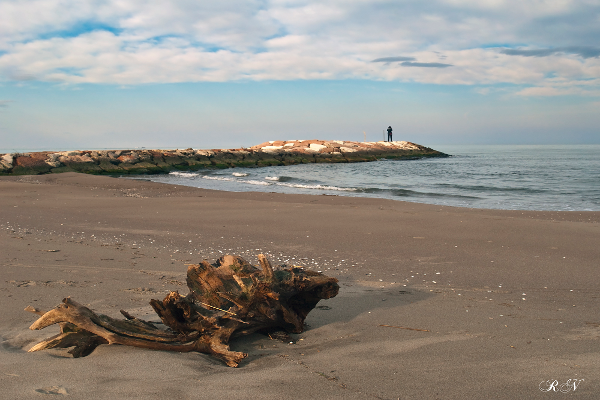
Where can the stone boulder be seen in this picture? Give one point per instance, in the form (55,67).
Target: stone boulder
(6,163)
(30,164)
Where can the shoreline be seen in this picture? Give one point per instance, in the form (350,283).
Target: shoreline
(261,187)
(115,243)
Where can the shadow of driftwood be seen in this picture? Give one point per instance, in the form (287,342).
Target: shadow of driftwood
(353,301)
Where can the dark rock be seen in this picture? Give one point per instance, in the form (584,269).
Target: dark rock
(31,164)
(110,166)
(141,168)
(173,159)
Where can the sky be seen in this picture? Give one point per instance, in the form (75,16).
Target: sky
(93,74)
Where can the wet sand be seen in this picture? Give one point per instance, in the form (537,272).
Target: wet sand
(435,302)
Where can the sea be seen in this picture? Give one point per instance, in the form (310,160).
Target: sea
(505,177)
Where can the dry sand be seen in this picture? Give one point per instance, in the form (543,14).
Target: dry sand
(498,301)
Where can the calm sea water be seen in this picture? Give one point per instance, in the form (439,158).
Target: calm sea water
(521,177)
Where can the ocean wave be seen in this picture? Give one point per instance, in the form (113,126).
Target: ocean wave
(255,182)
(413,193)
(486,188)
(240,174)
(317,187)
(217,178)
(284,178)
(184,174)
(448,195)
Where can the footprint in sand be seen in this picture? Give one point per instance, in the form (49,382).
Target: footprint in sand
(53,390)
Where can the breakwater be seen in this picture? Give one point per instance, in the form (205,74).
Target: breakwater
(144,161)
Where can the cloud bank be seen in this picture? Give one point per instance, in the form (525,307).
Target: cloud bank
(393,59)
(549,46)
(581,51)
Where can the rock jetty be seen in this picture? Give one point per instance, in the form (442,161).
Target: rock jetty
(124,162)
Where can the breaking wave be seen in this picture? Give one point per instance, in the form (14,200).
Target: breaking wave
(317,187)
(184,174)
(255,182)
(217,178)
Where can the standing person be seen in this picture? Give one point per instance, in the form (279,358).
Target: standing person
(389,131)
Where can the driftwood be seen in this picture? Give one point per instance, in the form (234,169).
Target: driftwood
(227,299)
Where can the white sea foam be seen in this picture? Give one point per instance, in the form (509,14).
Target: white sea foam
(271,178)
(318,187)
(254,182)
(184,174)
(239,174)
(217,178)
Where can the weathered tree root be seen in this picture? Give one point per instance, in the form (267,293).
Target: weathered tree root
(227,299)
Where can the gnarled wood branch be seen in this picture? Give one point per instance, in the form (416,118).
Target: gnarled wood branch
(227,299)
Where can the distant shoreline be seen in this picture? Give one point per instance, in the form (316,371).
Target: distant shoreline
(147,161)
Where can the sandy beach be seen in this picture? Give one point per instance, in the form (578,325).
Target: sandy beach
(435,302)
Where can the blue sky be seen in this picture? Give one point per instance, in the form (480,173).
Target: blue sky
(182,73)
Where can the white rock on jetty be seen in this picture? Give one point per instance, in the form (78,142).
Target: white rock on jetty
(6,161)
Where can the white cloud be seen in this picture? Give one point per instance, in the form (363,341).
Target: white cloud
(548,91)
(135,41)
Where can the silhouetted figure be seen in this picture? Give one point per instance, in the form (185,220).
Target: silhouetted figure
(389,130)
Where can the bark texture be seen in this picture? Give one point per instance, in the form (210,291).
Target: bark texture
(226,299)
